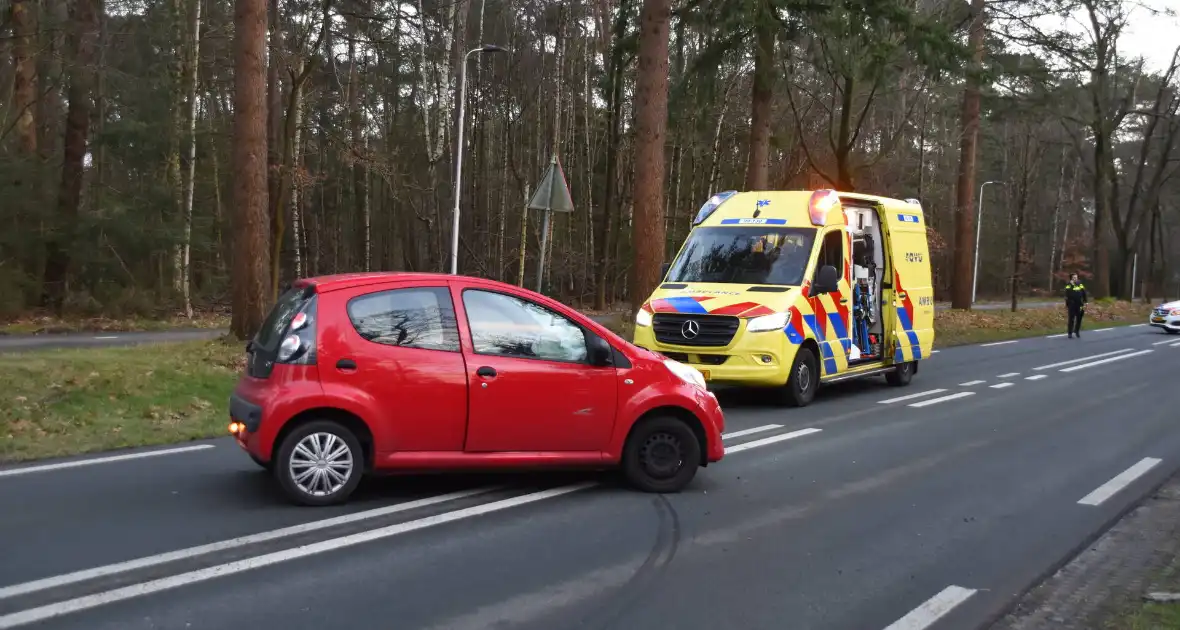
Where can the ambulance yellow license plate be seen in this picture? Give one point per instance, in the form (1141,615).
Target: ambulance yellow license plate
(706,374)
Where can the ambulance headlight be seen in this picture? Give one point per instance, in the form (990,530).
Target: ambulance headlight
(643,318)
(774,321)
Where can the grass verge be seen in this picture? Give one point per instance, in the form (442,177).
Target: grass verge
(45,324)
(65,402)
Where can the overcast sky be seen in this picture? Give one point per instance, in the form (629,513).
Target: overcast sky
(1155,37)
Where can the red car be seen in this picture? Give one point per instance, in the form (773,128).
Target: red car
(395,372)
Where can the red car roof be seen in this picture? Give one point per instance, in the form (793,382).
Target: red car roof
(350,280)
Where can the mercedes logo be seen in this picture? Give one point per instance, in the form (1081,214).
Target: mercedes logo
(690,329)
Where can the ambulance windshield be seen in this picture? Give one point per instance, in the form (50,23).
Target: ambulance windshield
(744,255)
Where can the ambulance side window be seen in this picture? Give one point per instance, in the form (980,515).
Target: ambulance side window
(832,251)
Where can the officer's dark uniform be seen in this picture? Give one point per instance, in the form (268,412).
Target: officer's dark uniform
(1075,301)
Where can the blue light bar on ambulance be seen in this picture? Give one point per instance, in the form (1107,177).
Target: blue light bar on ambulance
(822,202)
(712,204)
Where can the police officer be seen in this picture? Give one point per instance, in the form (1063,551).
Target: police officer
(1075,302)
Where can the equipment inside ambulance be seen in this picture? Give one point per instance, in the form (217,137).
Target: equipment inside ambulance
(793,289)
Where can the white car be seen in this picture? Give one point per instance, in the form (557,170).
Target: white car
(1166,316)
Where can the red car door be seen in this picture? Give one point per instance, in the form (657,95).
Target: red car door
(531,387)
(396,351)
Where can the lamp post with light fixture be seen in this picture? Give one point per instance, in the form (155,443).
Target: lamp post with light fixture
(978,225)
(487,48)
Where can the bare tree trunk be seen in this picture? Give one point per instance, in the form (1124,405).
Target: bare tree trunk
(84,37)
(651,117)
(250,283)
(190,184)
(758,167)
(961,286)
(1056,215)
(176,133)
(296,179)
(24,76)
(610,202)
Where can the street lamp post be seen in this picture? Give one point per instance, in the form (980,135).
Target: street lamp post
(978,225)
(487,48)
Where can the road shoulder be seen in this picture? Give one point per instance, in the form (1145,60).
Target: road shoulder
(1105,585)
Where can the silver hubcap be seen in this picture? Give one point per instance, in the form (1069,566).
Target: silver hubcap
(321,464)
(804,377)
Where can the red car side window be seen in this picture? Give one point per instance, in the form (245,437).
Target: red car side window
(410,318)
(503,325)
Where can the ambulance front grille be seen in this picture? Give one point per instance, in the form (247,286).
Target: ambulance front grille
(678,329)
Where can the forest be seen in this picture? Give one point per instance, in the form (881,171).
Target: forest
(178,156)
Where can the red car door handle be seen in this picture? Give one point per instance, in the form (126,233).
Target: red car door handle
(486,372)
(346,364)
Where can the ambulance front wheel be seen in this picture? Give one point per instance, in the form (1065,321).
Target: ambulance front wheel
(803,381)
(901,375)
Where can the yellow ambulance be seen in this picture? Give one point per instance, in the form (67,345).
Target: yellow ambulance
(794,289)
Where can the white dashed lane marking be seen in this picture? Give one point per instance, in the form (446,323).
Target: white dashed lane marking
(1072,361)
(1036,377)
(997,343)
(768,427)
(1009,375)
(1001,385)
(1120,481)
(1160,343)
(970,383)
(942,399)
(1055,336)
(1102,330)
(930,392)
(933,609)
(1106,360)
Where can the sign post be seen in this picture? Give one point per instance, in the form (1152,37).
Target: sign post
(552,195)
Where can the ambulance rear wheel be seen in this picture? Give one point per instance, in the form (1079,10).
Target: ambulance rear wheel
(804,380)
(901,375)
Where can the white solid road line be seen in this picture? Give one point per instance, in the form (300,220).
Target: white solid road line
(997,343)
(1137,325)
(1002,385)
(933,609)
(1120,481)
(12,472)
(108,337)
(970,383)
(1107,360)
(764,441)
(768,427)
(1102,330)
(911,396)
(1072,361)
(233,543)
(935,401)
(1160,343)
(1009,375)
(154,586)
(1036,377)
(87,602)
(1056,336)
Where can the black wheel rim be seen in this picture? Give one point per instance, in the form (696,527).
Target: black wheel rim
(662,455)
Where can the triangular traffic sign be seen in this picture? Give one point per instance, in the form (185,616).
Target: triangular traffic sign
(552,193)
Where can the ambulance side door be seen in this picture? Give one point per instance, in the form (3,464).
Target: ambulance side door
(912,299)
(831,311)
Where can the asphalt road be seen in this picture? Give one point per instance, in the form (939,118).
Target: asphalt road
(18,343)
(936,510)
